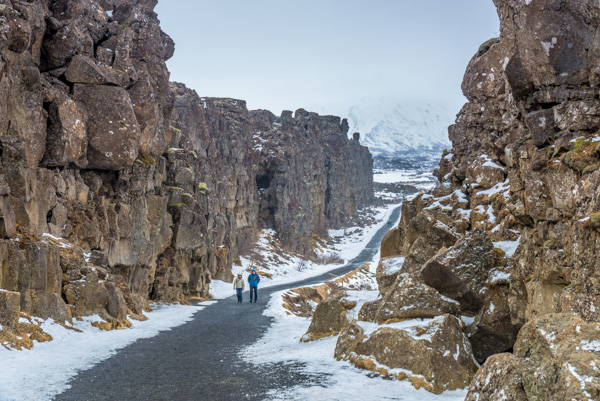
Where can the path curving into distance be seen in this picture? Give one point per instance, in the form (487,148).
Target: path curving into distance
(200,360)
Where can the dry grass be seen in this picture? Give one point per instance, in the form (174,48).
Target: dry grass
(24,334)
(300,301)
(328,259)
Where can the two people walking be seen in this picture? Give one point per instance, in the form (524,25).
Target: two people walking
(239,285)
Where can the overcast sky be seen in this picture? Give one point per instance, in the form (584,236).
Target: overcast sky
(280,54)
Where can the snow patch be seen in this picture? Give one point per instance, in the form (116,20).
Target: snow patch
(509,247)
(392,265)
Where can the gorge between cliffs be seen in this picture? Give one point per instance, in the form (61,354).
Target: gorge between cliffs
(128,203)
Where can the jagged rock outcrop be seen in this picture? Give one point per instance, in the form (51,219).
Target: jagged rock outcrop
(310,175)
(72,127)
(556,357)
(117,186)
(512,231)
(408,298)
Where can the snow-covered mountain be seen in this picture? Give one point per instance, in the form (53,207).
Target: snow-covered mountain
(392,127)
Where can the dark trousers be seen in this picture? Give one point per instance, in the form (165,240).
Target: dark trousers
(239,294)
(255,291)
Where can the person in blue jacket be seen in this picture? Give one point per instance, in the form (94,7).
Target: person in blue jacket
(253,280)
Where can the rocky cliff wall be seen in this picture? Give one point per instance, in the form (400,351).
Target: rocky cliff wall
(84,99)
(310,176)
(511,236)
(117,186)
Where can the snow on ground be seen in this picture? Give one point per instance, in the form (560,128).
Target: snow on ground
(44,371)
(408,176)
(289,268)
(338,380)
(421,179)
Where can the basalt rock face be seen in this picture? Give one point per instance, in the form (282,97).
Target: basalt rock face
(212,151)
(519,192)
(310,176)
(84,94)
(117,186)
(141,201)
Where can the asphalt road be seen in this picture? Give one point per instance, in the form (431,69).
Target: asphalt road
(200,360)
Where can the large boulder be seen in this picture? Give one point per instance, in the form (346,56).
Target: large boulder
(562,347)
(408,298)
(85,70)
(556,357)
(391,244)
(91,295)
(431,235)
(498,379)
(485,73)
(461,271)
(330,317)
(432,354)
(551,43)
(66,140)
(486,173)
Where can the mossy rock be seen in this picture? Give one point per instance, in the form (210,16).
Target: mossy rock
(595,220)
(583,156)
(170,188)
(145,159)
(529,102)
(485,46)
(591,168)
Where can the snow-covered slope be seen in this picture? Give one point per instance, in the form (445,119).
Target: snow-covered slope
(390,128)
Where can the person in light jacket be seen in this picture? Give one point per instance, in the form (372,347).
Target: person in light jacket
(238,286)
(253,280)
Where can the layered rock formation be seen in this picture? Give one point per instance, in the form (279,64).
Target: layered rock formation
(117,186)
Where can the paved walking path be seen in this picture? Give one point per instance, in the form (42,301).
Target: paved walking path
(200,360)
